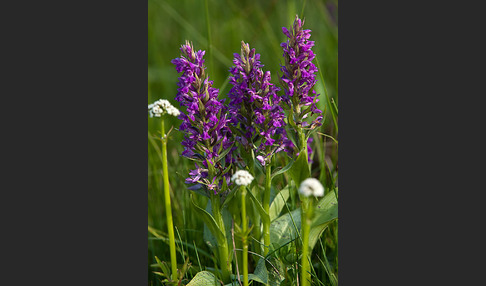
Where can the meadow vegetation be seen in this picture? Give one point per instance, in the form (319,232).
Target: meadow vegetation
(275,211)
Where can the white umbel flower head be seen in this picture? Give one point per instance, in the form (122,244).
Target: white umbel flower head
(311,187)
(242,178)
(161,107)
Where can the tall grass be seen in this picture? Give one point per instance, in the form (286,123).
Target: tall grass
(259,23)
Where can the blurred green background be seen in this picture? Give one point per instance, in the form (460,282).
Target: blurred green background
(219,26)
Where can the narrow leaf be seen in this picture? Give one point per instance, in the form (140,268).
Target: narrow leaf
(209,221)
(284,169)
(259,207)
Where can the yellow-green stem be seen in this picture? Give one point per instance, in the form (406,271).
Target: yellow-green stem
(303,142)
(266,207)
(244,227)
(307,209)
(222,245)
(168,209)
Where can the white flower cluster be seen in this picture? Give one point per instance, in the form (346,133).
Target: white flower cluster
(242,178)
(161,107)
(311,187)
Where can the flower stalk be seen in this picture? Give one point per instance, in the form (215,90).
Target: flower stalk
(168,208)
(242,178)
(307,212)
(244,228)
(266,207)
(224,257)
(309,189)
(159,109)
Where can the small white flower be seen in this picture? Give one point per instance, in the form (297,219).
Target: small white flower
(242,178)
(311,187)
(161,107)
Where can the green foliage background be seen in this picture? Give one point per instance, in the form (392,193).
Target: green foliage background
(219,26)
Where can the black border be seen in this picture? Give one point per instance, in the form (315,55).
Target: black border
(75,141)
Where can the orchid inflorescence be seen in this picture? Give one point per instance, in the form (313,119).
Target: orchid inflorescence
(254,118)
(299,75)
(254,104)
(207,137)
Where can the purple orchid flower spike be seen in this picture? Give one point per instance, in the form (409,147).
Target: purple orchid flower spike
(254,108)
(299,79)
(207,138)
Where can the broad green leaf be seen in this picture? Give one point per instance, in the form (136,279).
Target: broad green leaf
(270,273)
(283,230)
(315,233)
(278,203)
(275,272)
(261,273)
(209,221)
(300,169)
(204,278)
(325,210)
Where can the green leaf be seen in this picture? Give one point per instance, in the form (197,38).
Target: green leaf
(325,212)
(309,134)
(259,207)
(247,158)
(291,134)
(275,272)
(194,159)
(283,230)
(231,195)
(204,278)
(163,266)
(283,170)
(278,203)
(211,169)
(268,274)
(208,237)
(223,155)
(224,186)
(300,169)
(261,273)
(210,222)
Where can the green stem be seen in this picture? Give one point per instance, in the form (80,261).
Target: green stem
(266,207)
(245,234)
(303,141)
(222,245)
(307,210)
(168,209)
(303,145)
